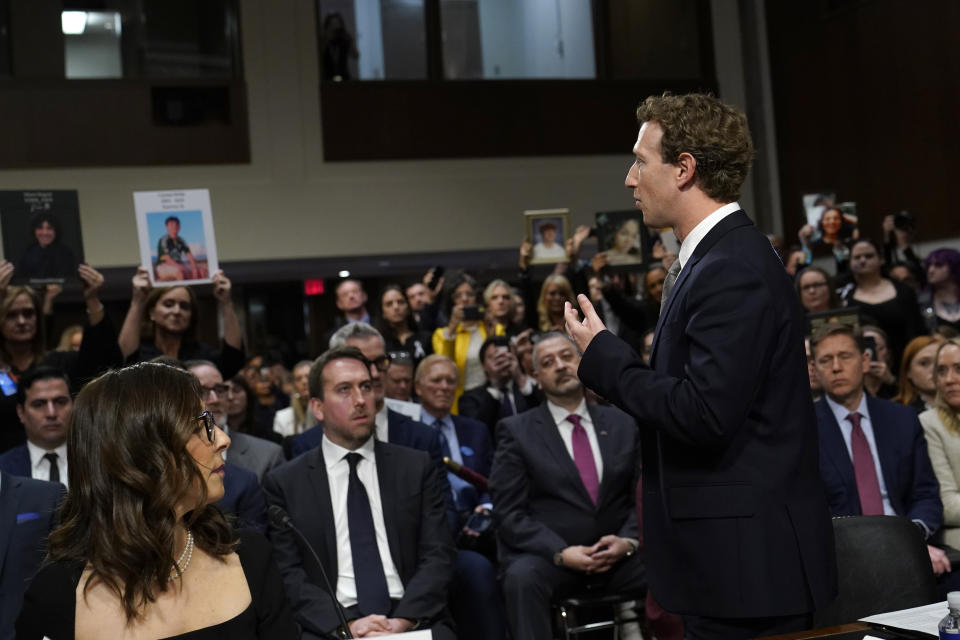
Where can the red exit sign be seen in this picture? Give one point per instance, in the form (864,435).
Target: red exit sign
(313,287)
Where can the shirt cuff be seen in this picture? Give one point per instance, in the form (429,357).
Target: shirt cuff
(924,528)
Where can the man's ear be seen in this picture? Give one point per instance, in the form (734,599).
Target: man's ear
(316,408)
(687,168)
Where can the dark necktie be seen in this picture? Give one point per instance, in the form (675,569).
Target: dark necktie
(871,502)
(506,409)
(52,457)
(372,593)
(583,458)
(669,281)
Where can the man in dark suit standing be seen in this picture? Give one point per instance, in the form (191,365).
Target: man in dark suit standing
(508,390)
(373,511)
(873,454)
(735,518)
(563,483)
(27,515)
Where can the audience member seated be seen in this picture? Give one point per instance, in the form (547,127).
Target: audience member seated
(267,398)
(892,306)
(873,455)
(374,512)
(140,551)
(28,512)
(22,344)
(461,339)
(247,451)
(940,302)
(507,392)
(351,302)
(941,424)
(163,321)
(44,406)
(398,328)
(879,380)
(564,482)
(816,388)
(398,379)
(816,290)
(917,388)
(297,417)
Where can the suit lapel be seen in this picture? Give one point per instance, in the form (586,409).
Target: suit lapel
(389,476)
(549,435)
(886,452)
(321,486)
(9,504)
(608,448)
(732,221)
(836,449)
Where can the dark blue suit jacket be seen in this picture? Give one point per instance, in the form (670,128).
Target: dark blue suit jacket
(243,498)
(912,487)
(27,514)
(733,503)
(477,453)
(400,430)
(16,461)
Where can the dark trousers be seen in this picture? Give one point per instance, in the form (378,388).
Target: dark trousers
(531,583)
(702,628)
(475,601)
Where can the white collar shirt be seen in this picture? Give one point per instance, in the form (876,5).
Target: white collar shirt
(40,466)
(565,427)
(699,232)
(383,425)
(338,477)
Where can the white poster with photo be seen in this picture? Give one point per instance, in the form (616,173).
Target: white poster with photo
(175,231)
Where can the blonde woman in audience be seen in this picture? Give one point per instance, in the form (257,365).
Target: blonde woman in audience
(555,291)
(498,298)
(941,424)
(71,338)
(296,418)
(917,388)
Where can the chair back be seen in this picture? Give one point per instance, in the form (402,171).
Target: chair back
(882,565)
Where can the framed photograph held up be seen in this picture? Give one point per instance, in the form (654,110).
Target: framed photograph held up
(624,237)
(41,236)
(548,230)
(175,230)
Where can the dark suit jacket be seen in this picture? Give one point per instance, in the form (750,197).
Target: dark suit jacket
(477,403)
(912,487)
(540,503)
(477,453)
(400,430)
(27,514)
(733,503)
(243,498)
(412,494)
(16,461)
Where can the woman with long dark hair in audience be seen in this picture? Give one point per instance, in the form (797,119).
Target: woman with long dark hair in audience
(891,305)
(941,424)
(239,403)
(22,344)
(163,321)
(879,380)
(816,290)
(141,552)
(941,300)
(462,338)
(296,418)
(917,388)
(398,328)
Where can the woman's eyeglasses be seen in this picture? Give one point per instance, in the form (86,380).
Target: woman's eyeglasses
(209,425)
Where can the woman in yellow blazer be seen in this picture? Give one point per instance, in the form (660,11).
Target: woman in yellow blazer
(461,339)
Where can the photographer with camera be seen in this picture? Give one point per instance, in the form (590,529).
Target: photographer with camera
(898,236)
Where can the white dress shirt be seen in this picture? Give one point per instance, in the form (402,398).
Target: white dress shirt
(383,425)
(447,429)
(846,429)
(689,244)
(566,431)
(40,467)
(338,477)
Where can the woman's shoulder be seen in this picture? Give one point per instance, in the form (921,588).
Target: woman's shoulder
(253,549)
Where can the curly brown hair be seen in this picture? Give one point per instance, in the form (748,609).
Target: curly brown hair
(129,468)
(715,134)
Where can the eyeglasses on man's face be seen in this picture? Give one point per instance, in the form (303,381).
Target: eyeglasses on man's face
(382,363)
(206,422)
(813,286)
(219,389)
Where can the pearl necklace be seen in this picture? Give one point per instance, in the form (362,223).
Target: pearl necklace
(187,553)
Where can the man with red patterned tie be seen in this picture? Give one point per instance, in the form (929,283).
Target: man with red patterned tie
(563,481)
(873,454)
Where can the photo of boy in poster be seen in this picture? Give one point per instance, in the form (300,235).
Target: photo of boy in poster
(41,235)
(174,259)
(547,229)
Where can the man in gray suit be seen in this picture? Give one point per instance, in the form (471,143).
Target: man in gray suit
(246,451)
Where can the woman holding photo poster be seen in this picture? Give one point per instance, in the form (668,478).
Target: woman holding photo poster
(162,321)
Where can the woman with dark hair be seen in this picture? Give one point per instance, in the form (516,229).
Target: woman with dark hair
(835,228)
(241,409)
(141,552)
(941,300)
(46,258)
(890,305)
(398,328)
(917,388)
(163,321)
(816,290)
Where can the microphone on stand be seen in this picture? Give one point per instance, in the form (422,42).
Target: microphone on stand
(282,520)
